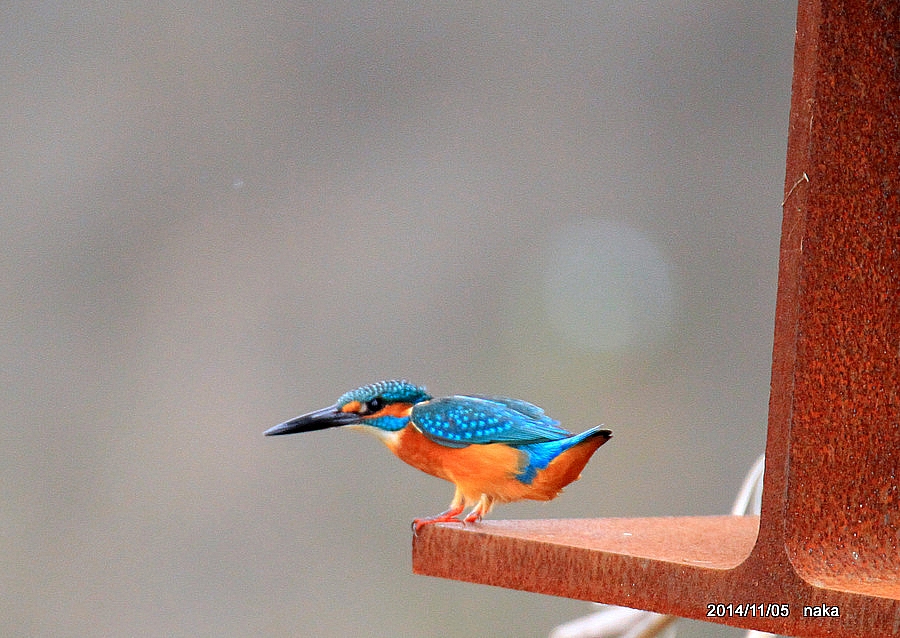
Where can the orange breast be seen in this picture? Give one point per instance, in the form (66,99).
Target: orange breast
(491,469)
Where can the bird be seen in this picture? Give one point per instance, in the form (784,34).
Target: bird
(492,448)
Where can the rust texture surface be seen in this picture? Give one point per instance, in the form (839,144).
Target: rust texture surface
(829,533)
(690,540)
(843,509)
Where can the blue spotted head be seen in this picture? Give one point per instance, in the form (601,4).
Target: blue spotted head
(385,405)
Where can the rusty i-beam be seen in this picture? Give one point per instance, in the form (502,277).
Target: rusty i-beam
(828,537)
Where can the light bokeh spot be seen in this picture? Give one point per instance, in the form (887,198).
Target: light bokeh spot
(607,287)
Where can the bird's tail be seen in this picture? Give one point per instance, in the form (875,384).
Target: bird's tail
(554,464)
(597,431)
(542,454)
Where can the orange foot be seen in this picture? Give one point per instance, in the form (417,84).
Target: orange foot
(444,517)
(479,511)
(473,517)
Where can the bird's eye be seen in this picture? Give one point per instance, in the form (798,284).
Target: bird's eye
(374,405)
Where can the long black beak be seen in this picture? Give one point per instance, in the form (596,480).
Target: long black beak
(330,417)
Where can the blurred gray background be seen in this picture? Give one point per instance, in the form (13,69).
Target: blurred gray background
(217,216)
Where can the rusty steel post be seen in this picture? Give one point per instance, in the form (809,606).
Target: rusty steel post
(829,534)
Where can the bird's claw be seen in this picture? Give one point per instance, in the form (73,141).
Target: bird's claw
(450,516)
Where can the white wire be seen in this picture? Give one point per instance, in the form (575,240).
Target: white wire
(752,486)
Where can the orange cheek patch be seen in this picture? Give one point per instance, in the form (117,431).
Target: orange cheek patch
(353,406)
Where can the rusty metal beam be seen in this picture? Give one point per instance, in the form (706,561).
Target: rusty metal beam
(829,533)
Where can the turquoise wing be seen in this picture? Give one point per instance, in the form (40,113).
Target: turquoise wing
(459,421)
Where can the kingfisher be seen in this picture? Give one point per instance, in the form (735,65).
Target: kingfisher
(493,449)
